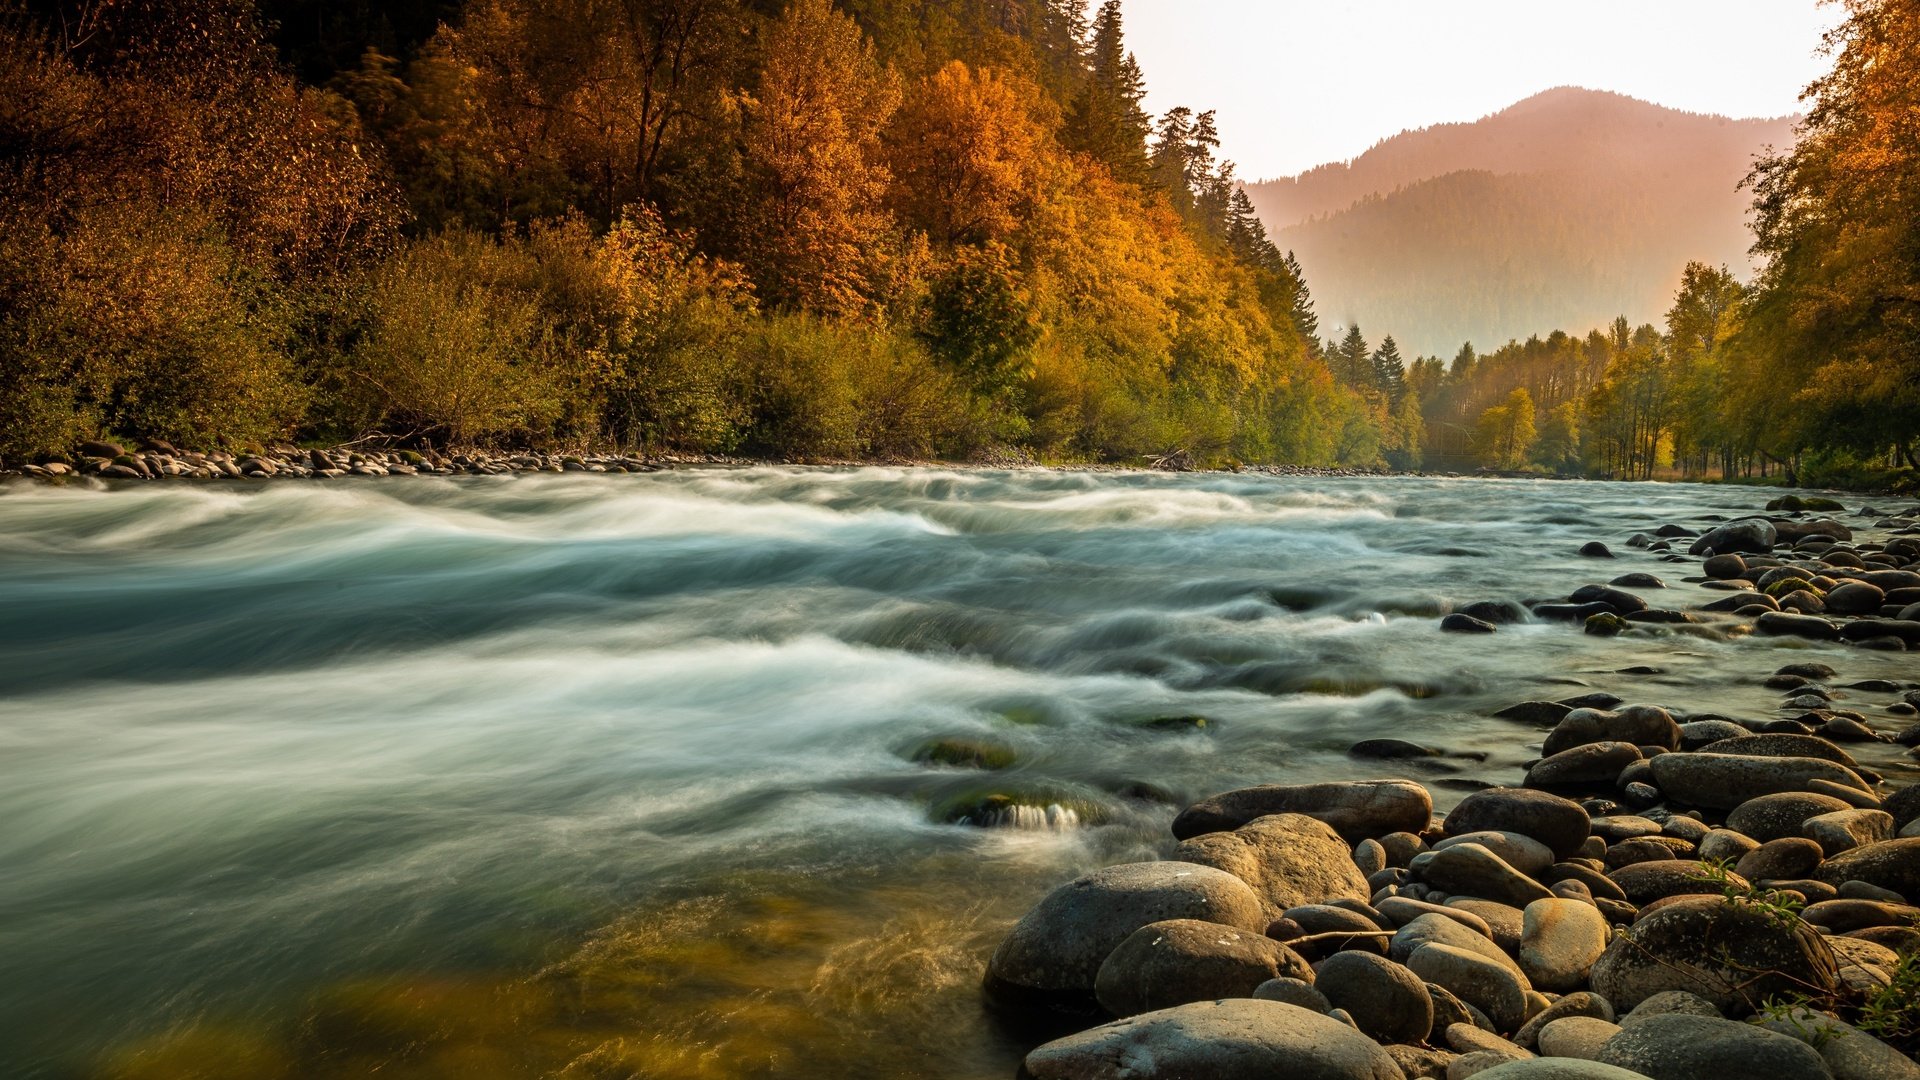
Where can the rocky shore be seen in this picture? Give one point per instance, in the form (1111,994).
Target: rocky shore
(1661,895)
(159,460)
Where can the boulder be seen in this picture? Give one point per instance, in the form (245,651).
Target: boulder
(1850,1054)
(1780,744)
(1054,952)
(1235,1039)
(1523,853)
(1559,941)
(1679,1047)
(1472,870)
(1855,598)
(1492,988)
(1724,781)
(1288,859)
(1293,992)
(1649,881)
(1388,1002)
(1356,809)
(1641,725)
(1844,830)
(1778,860)
(1438,929)
(1733,955)
(1586,765)
(1891,864)
(1178,961)
(1752,536)
(1558,1069)
(1559,823)
(1582,1003)
(1576,1037)
(1771,817)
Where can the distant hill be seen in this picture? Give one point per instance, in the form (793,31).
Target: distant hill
(1562,211)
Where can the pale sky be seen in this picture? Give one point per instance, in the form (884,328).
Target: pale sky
(1299,83)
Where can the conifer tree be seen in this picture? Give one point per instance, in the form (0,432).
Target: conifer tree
(1106,120)
(1389,370)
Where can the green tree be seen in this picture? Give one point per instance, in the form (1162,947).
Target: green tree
(1505,433)
(1106,120)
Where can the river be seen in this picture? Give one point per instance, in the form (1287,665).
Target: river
(614,776)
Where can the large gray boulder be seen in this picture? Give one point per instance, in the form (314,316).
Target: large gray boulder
(1178,961)
(1288,859)
(1559,823)
(1235,1039)
(1678,1047)
(1732,954)
(1892,864)
(1054,952)
(1357,810)
(1724,781)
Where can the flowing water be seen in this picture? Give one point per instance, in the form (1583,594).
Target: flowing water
(615,776)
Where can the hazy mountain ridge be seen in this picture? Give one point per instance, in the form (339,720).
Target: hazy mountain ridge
(1562,211)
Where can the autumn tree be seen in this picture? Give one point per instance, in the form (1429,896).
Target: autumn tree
(1505,433)
(961,150)
(812,150)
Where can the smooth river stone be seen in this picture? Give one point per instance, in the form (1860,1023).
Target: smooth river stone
(1844,830)
(1850,1054)
(1054,952)
(1559,941)
(1894,864)
(1678,1046)
(1487,986)
(1357,810)
(1234,1039)
(1523,853)
(1288,859)
(1559,823)
(1724,781)
(1179,961)
(1388,1002)
(1472,870)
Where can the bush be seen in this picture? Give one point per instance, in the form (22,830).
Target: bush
(139,325)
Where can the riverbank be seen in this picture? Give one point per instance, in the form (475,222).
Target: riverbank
(1664,893)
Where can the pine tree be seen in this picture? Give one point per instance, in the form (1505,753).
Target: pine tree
(1304,319)
(1352,361)
(1389,370)
(1106,120)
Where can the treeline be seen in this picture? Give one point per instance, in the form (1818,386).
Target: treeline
(886,228)
(1811,374)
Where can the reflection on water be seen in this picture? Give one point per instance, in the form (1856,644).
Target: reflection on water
(677,775)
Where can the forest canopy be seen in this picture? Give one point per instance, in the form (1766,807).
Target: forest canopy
(883,228)
(810,230)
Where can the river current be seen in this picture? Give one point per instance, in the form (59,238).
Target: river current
(615,776)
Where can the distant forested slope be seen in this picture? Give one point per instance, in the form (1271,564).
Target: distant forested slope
(1567,209)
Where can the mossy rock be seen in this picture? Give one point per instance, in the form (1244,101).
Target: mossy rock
(1826,506)
(412,457)
(965,754)
(1016,808)
(1787,502)
(1177,723)
(1791,585)
(1605,624)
